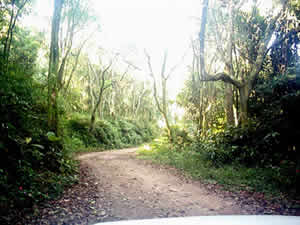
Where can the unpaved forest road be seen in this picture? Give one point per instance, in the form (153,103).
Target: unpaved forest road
(137,189)
(115,185)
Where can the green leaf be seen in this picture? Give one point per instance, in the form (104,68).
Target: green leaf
(28,140)
(38,146)
(52,137)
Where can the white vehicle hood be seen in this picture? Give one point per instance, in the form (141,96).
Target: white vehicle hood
(214,220)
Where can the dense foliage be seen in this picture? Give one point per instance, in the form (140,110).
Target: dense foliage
(36,160)
(34,166)
(241,122)
(248,122)
(107,134)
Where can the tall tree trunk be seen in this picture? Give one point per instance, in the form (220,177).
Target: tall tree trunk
(229,104)
(244,86)
(244,96)
(202,38)
(53,68)
(229,69)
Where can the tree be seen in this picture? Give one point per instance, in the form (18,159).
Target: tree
(201,99)
(128,98)
(161,101)
(284,51)
(104,78)
(13,9)
(76,16)
(53,67)
(24,50)
(70,18)
(242,82)
(101,76)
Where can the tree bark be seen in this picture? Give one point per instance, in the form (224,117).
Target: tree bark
(89,89)
(202,37)
(244,96)
(93,116)
(229,68)
(244,86)
(229,104)
(53,68)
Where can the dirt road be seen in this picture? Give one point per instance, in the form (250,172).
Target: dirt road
(136,189)
(115,185)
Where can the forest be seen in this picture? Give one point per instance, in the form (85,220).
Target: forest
(61,94)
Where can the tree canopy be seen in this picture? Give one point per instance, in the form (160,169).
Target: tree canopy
(63,91)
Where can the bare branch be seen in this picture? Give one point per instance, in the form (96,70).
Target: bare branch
(91,67)
(131,64)
(176,65)
(223,77)
(75,66)
(149,63)
(154,81)
(218,41)
(123,75)
(105,70)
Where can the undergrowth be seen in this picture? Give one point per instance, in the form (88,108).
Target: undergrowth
(107,134)
(34,166)
(233,176)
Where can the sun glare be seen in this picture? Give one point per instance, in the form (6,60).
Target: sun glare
(153,25)
(147,147)
(129,27)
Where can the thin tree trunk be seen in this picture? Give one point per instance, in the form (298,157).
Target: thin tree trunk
(200,109)
(93,116)
(74,66)
(90,91)
(9,34)
(161,106)
(102,89)
(164,105)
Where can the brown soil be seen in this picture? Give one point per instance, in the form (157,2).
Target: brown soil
(138,189)
(115,185)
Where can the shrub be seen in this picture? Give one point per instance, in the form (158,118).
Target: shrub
(107,134)
(31,157)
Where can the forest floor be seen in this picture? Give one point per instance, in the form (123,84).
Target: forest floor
(116,185)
